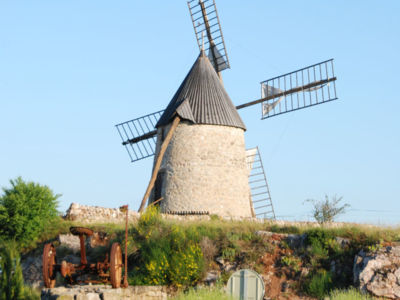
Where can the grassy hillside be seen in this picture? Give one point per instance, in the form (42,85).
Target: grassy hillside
(176,253)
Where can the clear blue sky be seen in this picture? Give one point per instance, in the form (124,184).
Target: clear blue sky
(71,70)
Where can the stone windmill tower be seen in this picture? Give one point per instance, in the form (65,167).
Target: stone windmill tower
(204,167)
(198,140)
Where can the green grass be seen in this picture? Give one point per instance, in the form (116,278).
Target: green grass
(349,294)
(204,294)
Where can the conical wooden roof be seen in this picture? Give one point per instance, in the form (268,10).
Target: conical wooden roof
(202,99)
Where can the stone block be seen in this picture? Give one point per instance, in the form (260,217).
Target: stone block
(88,296)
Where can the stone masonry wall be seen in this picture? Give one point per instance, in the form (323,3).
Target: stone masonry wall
(105,292)
(97,214)
(205,169)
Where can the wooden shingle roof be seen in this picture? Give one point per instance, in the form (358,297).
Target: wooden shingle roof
(203,98)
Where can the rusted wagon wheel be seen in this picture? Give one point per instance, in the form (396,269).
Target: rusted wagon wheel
(48,261)
(116,265)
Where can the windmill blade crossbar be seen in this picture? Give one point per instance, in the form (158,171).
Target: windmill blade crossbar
(139,135)
(208,32)
(296,90)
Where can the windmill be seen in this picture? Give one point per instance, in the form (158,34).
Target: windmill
(201,165)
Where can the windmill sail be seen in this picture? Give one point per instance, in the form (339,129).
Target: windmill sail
(269,90)
(296,90)
(139,135)
(208,32)
(260,195)
(217,59)
(300,89)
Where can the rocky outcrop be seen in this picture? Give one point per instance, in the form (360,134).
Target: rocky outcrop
(105,292)
(378,272)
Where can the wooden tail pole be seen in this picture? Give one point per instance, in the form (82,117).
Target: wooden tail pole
(125,209)
(158,162)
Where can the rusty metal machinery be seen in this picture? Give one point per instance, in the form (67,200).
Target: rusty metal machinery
(107,271)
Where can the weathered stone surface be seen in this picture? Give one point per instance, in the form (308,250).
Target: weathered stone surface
(88,296)
(378,272)
(211,277)
(32,271)
(97,214)
(69,241)
(204,169)
(105,292)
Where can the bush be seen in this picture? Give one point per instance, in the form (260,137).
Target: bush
(320,284)
(166,254)
(327,210)
(292,262)
(26,209)
(186,265)
(321,242)
(11,280)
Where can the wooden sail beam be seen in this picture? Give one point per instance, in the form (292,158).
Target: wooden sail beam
(140,138)
(288,92)
(273,96)
(210,38)
(158,162)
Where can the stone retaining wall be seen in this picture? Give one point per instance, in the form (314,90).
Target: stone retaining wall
(105,292)
(96,214)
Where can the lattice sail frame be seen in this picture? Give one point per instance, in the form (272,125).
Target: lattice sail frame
(299,89)
(208,31)
(139,135)
(259,188)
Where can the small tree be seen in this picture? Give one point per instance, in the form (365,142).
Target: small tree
(26,208)
(327,210)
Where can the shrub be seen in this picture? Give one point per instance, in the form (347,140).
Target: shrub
(157,267)
(228,253)
(327,210)
(186,266)
(320,284)
(166,254)
(11,280)
(321,242)
(26,209)
(291,262)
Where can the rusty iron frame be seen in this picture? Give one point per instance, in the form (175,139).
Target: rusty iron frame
(72,271)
